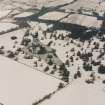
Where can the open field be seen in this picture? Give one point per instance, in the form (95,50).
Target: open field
(79,94)
(20,85)
(52,52)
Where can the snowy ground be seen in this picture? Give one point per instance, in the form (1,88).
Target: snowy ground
(8,43)
(5,27)
(4,13)
(24,14)
(27,4)
(20,85)
(79,93)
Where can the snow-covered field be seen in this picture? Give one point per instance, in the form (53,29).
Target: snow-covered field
(26,4)
(24,14)
(5,27)
(20,85)
(4,13)
(79,93)
(8,43)
(53,16)
(38,74)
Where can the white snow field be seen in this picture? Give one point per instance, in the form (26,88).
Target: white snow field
(4,13)
(83,20)
(53,16)
(24,14)
(4,27)
(7,38)
(20,85)
(27,4)
(78,93)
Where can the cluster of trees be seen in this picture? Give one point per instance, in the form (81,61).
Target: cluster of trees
(46,69)
(1,50)
(96,45)
(89,81)
(92,78)
(101,69)
(60,86)
(10,54)
(67,63)
(85,56)
(87,66)
(95,63)
(77,75)
(60,36)
(26,41)
(42,50)
(101,55)
(13,37)
(43,99)
(103,81)
(28,56)
(64,73)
